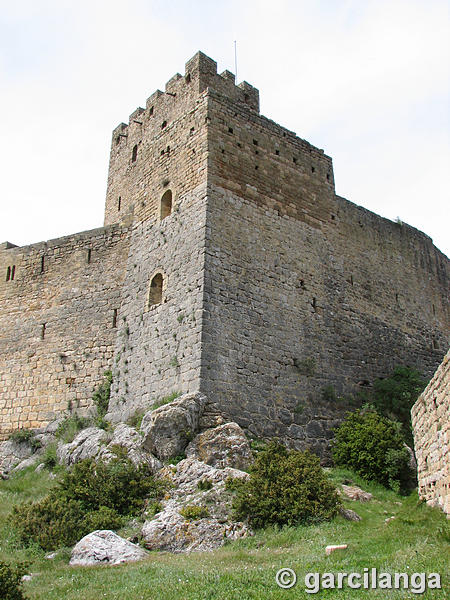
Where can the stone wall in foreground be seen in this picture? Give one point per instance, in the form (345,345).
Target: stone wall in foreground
(431,425)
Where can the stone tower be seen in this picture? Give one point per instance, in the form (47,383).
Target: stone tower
(227,264)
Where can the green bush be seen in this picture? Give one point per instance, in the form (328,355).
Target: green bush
(192,512)
(90,496)
(204,484)
(69,428)
(372,445)
(101,395)
(22,436)
(395,395)
(11,581)
(284,488)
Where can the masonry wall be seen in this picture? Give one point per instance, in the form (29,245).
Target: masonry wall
(158,349)
(57,323)
(431,427)
(308,297)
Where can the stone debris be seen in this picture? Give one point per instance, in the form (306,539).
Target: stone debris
(355,493)
(223,446)
(330,549)
(105,546)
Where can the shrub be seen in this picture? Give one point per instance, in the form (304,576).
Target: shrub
(22,436)
(192,512)
(395,395)
(102,394)
(284,488)
(372,445)
(49,457)
(90,496)
(69,428)
(204,484)
(11,581)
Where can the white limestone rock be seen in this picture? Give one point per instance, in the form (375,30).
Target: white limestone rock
(168,429)
(87,444)
(223,446)
(105,546)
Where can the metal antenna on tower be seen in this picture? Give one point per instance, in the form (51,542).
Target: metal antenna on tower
(235,59)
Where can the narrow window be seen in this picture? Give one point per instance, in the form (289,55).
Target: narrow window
(230,130)
(119,203)
(295,160)
(255,142)
(312,169)
(166,204)
(43,330)
(314,304)
(114,320)
(13,272)
(89,255)
(8,273)
(134,154)
(163,124)
(42,264)
(277,152)
(150,112)
(188,78)
(155,295)
(328,177)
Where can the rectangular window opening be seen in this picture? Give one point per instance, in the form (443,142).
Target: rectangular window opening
(8,273)
(13,272)
(42,264)
(114,321)
(43,330)
(89,255)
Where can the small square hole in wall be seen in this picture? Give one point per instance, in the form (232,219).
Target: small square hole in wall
(230,130)
(294,160)
(256,167)
(313,169)
(255,142)
(188,78)
(277,152)
(328,177)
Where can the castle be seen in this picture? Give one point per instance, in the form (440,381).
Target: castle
(226,264)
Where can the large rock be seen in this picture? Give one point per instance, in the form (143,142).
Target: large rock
(105,546)
(87,444)
(223,446)
(195,483)
(128,438)
(12,453)
(168,429)
(171,532)
(356,493)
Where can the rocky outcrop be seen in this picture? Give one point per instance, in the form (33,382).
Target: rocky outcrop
(128,438)
(355,493)
(168,429)
(223,446)
(199,485)
(87,444)
(105,546)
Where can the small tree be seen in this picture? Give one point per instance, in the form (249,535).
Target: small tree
(372,445)
(11,581)
(395,395)
(285,488)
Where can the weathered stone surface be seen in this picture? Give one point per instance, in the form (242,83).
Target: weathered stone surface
(12,453)
(131,440)
(349,514)
(355,493)
(168,429)
(87,444)
(223,446)
(431,427)
(105,546)
(169,530)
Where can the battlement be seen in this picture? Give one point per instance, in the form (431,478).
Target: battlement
(200,74)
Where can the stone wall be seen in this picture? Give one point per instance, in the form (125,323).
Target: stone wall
(57,323)
(431,426)
(278,297)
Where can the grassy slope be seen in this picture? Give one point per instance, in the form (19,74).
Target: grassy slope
(417,540)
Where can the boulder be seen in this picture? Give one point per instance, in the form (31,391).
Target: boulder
(169,530)
(355,493)
(172,532)
(12,453)
(349,514)
(87,444)
(105,546)
(168,429)
(223,446)
(128,438)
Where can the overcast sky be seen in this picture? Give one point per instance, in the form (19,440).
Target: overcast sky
(367,81)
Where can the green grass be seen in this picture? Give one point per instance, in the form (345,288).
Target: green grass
(417,540)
